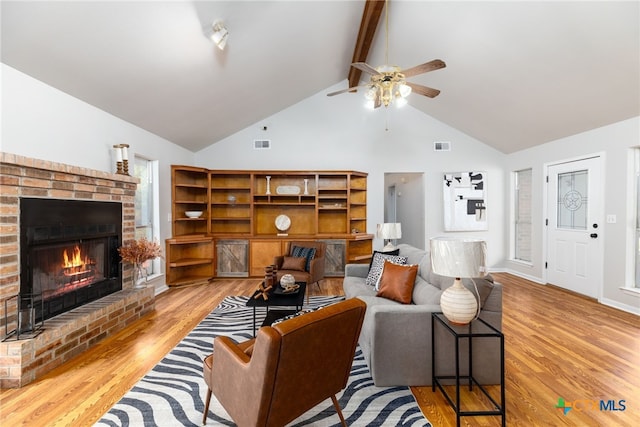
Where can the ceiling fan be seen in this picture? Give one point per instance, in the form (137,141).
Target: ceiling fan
(388,82)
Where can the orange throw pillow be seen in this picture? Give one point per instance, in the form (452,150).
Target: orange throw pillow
(396,282)
(293,263)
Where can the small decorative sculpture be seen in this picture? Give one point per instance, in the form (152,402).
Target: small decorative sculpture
(268,185)
(306,186)
(263,291)
(288,283)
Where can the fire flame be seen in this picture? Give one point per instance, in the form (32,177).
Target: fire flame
(75,260)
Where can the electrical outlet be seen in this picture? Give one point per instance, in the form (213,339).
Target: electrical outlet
(169,217)
(611,219)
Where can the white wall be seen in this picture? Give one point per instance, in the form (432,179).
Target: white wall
(41,122)
(616,142)
(339,133)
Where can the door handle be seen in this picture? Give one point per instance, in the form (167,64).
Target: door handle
(593,235)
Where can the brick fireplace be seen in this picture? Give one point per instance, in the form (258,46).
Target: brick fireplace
(66,335)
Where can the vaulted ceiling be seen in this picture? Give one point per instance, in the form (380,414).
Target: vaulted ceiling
(518,73)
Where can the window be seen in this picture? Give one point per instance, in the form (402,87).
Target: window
(146,217)
(522,215)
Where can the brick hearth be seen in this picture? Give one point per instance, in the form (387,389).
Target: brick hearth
(68,334)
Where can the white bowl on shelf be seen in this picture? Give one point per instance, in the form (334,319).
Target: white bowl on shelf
(193,214)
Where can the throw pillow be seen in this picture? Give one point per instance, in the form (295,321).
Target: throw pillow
(396,282)
(377,263)
(294,263)
(393,252)
(308,253)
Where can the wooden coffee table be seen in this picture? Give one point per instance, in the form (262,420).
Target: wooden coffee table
(288,303)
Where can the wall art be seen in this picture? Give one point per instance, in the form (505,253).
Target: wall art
(465,207)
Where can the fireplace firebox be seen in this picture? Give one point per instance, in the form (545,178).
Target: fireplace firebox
(68,253)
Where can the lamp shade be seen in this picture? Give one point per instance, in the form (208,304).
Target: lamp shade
(455,257)
(458,257)
(389,230)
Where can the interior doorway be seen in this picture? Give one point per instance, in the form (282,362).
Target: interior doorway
(404,203)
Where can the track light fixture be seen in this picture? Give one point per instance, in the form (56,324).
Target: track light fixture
(218,33)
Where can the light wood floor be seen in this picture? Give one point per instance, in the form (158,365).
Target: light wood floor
(557,345)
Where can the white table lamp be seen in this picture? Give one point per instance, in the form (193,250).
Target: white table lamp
(389,231)
(459,258)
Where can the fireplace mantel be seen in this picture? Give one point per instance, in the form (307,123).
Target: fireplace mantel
(69,334)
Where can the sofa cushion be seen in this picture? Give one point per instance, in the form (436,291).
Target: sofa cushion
(424,266)
(378,262)
(355,287)
(425,293)
(396,282)
(413,254)
(301,251)
(294,263)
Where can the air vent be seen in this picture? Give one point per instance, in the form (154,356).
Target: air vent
(441,146)
(261,144)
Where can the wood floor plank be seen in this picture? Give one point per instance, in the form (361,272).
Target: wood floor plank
(557,344)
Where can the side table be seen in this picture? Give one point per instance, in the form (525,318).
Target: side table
(476,329)
(293,302)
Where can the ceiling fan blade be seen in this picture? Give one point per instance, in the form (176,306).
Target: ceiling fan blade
(366,68)
(349,89)
(423,90)
(436,64)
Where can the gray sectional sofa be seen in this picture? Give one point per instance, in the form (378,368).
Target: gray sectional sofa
(396,338)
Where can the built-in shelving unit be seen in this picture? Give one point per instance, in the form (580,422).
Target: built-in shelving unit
(243,205)
(190,192)
(189,260)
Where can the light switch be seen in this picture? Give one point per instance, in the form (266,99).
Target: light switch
(611,219)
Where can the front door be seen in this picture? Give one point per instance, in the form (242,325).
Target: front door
(574,219)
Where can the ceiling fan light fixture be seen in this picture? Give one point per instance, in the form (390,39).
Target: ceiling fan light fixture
(400,102)
(371,92)
(404,90)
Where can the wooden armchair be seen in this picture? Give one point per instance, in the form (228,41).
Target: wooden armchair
(288,368)
(313,270)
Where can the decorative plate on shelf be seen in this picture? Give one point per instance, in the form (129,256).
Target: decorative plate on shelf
(283,223)
(288,190)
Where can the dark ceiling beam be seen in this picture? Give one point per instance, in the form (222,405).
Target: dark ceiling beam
(370,18)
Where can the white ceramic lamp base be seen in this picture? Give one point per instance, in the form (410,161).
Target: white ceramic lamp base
(458,304)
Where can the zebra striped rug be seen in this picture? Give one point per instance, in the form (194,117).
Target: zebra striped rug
(173,392)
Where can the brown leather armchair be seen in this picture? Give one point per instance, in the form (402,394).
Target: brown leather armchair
(288,368)
(314,274)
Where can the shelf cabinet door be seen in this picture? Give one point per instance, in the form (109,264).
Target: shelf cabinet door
(334,258)
(262,253)
(232,258)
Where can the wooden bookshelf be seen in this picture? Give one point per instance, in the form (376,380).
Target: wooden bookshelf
(243,204)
